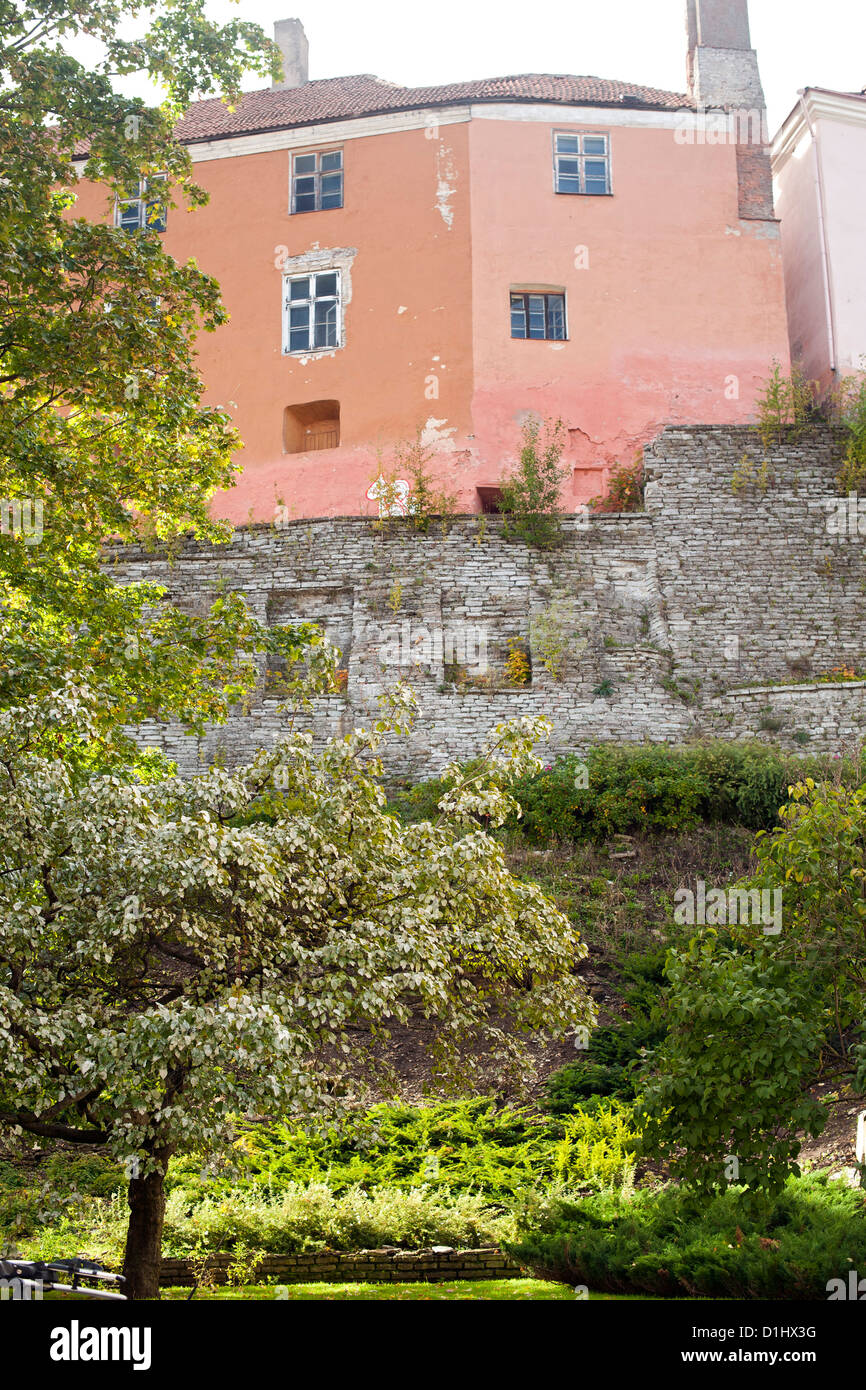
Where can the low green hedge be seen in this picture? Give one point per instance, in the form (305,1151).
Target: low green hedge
(650,787)
(674,1244)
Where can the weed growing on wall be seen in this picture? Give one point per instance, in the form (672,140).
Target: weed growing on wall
(407,487)
(554,639)
(624,488)
(852,412)
(517,668)
(529,499)
(785,406)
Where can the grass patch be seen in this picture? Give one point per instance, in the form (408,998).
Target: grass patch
(487,1290)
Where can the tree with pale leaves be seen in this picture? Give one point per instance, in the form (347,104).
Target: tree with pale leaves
(176,954)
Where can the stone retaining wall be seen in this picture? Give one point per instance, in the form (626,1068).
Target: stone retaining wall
(436,1265)
(733,577)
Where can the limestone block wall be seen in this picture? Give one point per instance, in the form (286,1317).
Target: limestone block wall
(437,1265)
(675,623)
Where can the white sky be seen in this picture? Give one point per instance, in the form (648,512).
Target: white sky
(799,42)
(423,42)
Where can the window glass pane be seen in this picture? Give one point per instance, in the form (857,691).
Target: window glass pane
(305,202)
(334,160)
(299,315)
(305,185)
(299,338)
(536,316)
(327,283)
(595,144)
(332,191)
(556,316)
(326,324)
(566,144)
(299,289)
(156,217)
(305,163)
(568,184)
(518,316)
(596,169)
(130,215)
(569,166)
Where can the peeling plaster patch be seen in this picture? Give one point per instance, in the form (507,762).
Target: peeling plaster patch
(557,347)
(446,187)
(314,356)
(433,436)
(761,229)
(401,309)
(575,429)
(733,231)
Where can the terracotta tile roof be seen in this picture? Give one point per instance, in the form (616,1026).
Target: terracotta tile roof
(340,98)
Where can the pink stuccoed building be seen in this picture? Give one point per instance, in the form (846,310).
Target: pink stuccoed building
(452,260)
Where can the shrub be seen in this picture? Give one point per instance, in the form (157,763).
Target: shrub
(447,1173)
(312,1217)
(529,500)
(785,405)
(624,488)
(650,787)
(671,1243)
(452,1147)
(852,410)
(728,1094)
(610,1067)
(598,1147)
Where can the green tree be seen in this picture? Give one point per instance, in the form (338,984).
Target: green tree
(727,1091)
(817,860)
(749,1020)
(103,430)
(177,953)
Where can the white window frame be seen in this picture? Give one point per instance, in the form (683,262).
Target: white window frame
(582,157)
(316,174)
(141,202)
(310,301)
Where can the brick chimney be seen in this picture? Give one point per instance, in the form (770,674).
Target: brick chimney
(722,72)
(722,66)
(292,41)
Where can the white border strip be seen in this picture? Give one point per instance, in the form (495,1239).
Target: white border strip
(357,127)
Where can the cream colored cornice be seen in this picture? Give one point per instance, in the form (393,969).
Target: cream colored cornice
(822,104)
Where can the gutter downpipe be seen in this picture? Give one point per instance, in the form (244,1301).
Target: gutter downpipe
(822,225)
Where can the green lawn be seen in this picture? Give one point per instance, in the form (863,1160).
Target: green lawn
(487,1289)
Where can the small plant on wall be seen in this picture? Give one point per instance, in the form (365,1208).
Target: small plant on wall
(852,415)
(408,488)
(529,499)
(624,489)
(785,406)
(428,500)
(517,667)
(554,639)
